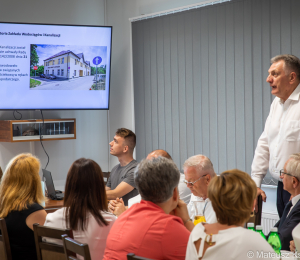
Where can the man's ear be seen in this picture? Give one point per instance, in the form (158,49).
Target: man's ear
(296,182)
(175,194)
(207,178)
(293,77)
(125,148)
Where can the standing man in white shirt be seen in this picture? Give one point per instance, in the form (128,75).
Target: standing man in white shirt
(199,171)
(281,136)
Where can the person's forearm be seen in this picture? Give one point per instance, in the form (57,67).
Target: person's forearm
(189,225)
(111,195)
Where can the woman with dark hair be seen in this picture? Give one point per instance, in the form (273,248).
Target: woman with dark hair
(85,207)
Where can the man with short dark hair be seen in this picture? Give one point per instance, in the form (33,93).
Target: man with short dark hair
(121,180)
(281,136)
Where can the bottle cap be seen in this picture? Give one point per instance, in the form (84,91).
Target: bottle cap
(274,229)
(250,225)
(258,227)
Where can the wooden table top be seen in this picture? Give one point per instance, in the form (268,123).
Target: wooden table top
(53,205)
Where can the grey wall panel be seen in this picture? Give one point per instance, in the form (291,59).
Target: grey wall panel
(250,142)
(204,47)
(197,83)
(160,85)
(285,26)
(295,32)
(138,77)
(154,83)
(212,86)
(167,84)
(175,87)
(221,165)
(239,89)
(189,85)
(230,88)
(200,78)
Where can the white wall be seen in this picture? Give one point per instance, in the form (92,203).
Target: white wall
(92,141)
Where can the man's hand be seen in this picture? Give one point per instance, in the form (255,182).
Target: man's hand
(292,246)
(182,212)
(117,206)
(111,205)
(263,195)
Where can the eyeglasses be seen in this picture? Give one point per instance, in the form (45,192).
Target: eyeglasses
(192,183)
(282,172)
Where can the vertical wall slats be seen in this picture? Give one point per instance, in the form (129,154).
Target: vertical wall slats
(239,89)
(199,78)
(221,79)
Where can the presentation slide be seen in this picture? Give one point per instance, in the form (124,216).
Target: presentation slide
(54,66)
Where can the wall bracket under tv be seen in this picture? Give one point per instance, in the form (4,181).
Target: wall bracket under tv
(30,130)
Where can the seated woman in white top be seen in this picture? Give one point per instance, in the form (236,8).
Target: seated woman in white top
(233,196)
(85,207)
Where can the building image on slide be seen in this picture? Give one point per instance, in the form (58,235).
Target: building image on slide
(68,65)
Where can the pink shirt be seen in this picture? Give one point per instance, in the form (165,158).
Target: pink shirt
(147,231)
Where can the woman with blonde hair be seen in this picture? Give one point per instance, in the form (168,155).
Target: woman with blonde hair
(21,197)
(232,195)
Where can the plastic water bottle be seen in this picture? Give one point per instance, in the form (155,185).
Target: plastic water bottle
(259,230)
(250,226)
(274,240)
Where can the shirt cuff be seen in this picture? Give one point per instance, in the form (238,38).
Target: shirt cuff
(257,181)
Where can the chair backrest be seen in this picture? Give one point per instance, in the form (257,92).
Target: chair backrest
(5,252)
(71,246)
(45,250)
(1,173)
(132,256)
(256,219)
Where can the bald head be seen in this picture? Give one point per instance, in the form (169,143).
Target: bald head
(157,153)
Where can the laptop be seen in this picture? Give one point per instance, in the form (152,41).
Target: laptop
(52,194)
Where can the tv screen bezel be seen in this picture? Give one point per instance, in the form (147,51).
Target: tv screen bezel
(49,109)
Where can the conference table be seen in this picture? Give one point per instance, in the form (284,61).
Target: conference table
(53,205)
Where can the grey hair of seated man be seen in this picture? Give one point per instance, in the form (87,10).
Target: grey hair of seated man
(156,179)
(293,166)
(201,163)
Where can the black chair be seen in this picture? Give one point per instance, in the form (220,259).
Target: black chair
(45,250)
(71,246)
(5,252)
(256,219)
(132,256)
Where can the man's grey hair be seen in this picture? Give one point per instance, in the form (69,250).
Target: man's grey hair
(201,163)
(156,179)
(292,63)
(293,166)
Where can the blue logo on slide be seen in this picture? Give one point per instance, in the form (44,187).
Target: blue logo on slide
(97,60)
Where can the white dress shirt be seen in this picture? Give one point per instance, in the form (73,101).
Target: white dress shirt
(294,202)
(280,138)
(204,207)
(232,243)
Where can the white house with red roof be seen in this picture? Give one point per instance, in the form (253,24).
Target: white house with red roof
(67,64)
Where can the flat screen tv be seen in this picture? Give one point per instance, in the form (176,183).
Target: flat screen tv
(44,66)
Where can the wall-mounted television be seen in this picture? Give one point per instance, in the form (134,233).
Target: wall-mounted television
(44,66)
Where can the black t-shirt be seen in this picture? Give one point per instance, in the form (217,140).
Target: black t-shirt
(21,237)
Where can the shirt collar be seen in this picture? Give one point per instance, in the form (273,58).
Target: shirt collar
(295,95)
(295,199)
